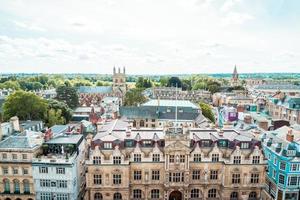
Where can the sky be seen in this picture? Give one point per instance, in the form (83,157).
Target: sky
(149,36)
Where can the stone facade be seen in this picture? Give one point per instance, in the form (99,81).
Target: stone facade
(175,164)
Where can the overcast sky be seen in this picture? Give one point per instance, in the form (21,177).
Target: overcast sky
(149,36)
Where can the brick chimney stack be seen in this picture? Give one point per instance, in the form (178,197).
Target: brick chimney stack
(290,135)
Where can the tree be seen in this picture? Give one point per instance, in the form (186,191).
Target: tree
(68,95)
(25,105)
(10,85)
(174,82)
(134,97)
(163,81)
(207,112)
(66,112)
(143,83)
(54,117)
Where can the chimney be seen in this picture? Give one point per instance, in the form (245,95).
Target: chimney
(290,135)
(124,70)
(119,70)
(247,119)
(15,122)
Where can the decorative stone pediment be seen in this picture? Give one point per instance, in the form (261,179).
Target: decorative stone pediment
(177,146)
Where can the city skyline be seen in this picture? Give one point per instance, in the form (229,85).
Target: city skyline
(199,36)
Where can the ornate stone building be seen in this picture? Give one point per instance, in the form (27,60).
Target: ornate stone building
(16,154)
(174,164)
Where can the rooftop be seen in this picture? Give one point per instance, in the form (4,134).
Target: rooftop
(95,89)
(170,103)
(26,142)
(66,139)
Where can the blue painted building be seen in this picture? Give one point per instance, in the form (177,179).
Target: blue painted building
(282,149)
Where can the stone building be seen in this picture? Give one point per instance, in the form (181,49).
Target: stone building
(174,164)
(16,154)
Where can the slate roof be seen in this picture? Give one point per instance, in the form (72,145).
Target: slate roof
(66,139)
(171,103)
(95,89)
(16,142)
(58,129)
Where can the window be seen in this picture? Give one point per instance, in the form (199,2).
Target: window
(155,157)
(213,174)
(43,170)
(45,183)
(5,170)
(295,167)
(15,156)
(46,196)
(6,186)
(212,193)
(245,145)
(4,156)
(62,184)
(97,179)
(274,173)
(15,170)
(155,194)
(155,175)
(176,177)
(117,179)
(60,170)
(137,194)
(129,143)
(196,175)
(215,157)
(26,186)
(252,196)
(254,178)
(98,196)
(172,158)
(236,159)
(197,157)
(182,158)
(236,178)
(147,143)
(195,193)
(255,159)
(97,160)
(107,145)
(117,160)
(293,180)
(205,143)
(25,171)
(24,156)
(142,123)
(282,165)
(275,161)
(117,196)
(234,196)
(137,175)
(281,179)
(16,187)
(62,196)
(137,157)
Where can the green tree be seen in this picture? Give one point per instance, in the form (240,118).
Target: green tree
(25,105)
(163,81)
(207,111)
(10,85)
(174,81)
(143,83)
(134,97)
(66,112)
(68,95)
(54,117)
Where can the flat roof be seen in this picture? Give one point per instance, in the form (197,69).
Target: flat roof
(171,103)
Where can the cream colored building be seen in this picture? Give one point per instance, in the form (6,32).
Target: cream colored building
(16,153)
(174,164)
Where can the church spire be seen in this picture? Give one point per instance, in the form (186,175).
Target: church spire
(235,74)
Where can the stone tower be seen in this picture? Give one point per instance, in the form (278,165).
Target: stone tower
(235,77)
(119,80)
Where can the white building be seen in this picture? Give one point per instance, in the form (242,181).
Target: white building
(59,173)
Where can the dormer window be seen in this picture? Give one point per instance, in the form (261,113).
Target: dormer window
(147,143)
(107,145)
(129,143)
(215,157)
(291,153)
(245,145)
(97,160)
(255,159)
(156,157)
(197,157)
(205,143)
(137,157)
(237,160)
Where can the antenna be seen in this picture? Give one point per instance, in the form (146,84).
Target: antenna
(176,109)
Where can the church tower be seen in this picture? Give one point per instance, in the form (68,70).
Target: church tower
(235,77)
(119,81)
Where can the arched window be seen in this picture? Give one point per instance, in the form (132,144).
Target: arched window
(134,123)
(98,196)
(155,194)
(142,123)
(212,193)
(234,196)
(195,193)
(6,186)
(117,196)
(26,186)
(16,186)
(252,196)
